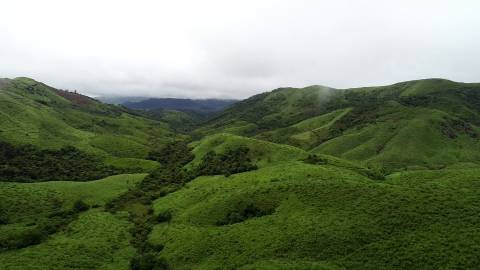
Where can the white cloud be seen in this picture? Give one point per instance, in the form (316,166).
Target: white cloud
(235,48)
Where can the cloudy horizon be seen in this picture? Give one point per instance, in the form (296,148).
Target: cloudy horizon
(235,49)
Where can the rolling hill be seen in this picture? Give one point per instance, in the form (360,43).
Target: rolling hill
(426,123)
(179,104)
(317,178)
(48,118)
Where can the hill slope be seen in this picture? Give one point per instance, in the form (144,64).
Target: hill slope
(34,113)
(179,104)
(366,178)
(429,123)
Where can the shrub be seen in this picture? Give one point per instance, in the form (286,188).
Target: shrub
(314,159)
(148,261)
(164,217)
(243,213)
(231,162)
(29,164)
(80,206)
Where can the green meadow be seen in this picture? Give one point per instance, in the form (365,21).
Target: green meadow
(368,178)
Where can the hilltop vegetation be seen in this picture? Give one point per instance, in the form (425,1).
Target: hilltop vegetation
(29,164)
(178,104)
(435,120)
(312,178)
(34,113)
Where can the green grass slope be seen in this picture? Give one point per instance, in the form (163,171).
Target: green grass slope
(97,240)
(34,113)
(261,152)
(94,240)
(429,123)
(322,217)
(279,108)
(27,202)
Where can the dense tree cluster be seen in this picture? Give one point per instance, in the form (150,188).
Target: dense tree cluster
(231,162)
(169,177)
(27,163)
(175,153)
(42,228)
(243,213)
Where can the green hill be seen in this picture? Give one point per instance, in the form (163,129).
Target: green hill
(261,153)
(34,113)
(312,178)
(300,216)
(428,123)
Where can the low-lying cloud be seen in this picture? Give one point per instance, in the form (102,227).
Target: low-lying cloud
(234,49)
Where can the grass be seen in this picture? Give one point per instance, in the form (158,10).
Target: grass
(404,138)
(261,152)
(26,202)
(97,240)
(325,217)
(285,215)
(32,113)
(132,164)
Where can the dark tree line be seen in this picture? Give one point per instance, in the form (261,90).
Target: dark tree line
(231,162)
(170,176)
(27,163)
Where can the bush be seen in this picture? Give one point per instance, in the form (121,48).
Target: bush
(314,159)
(377,172)
(175,153)
(80,206)
(231,162)
(164,217)
(29,164)
(148,261)
(244,213)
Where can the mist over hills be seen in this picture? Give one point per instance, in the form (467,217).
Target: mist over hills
(296,178)
(195,105)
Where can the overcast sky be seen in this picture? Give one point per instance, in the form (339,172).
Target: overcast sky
(236,49)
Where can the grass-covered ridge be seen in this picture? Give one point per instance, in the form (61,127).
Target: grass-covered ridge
(312,178)
(34,113)
(426,123)
(322,217)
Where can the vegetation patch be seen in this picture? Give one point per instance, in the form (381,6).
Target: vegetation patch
(453,127)
(29,164)
(230,162)
(245,211)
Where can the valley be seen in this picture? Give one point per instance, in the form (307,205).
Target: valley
(383,177)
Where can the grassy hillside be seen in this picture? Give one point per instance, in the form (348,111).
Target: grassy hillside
(36,217)
(34,113)
(97,240)
(261,153)
(427,123)
(299,216)
(312,178)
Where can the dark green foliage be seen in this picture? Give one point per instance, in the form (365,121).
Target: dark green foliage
(148,261)
(40,231)
(454,127)
(170,176)
(243,213)
(164,217)
(3,217)
(315,159)
(175,153)
(29,164)
(377,172)
(25,239)
(357,118)
(80,206)
(231,162)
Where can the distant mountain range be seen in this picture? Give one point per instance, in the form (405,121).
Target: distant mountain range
(178,104)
